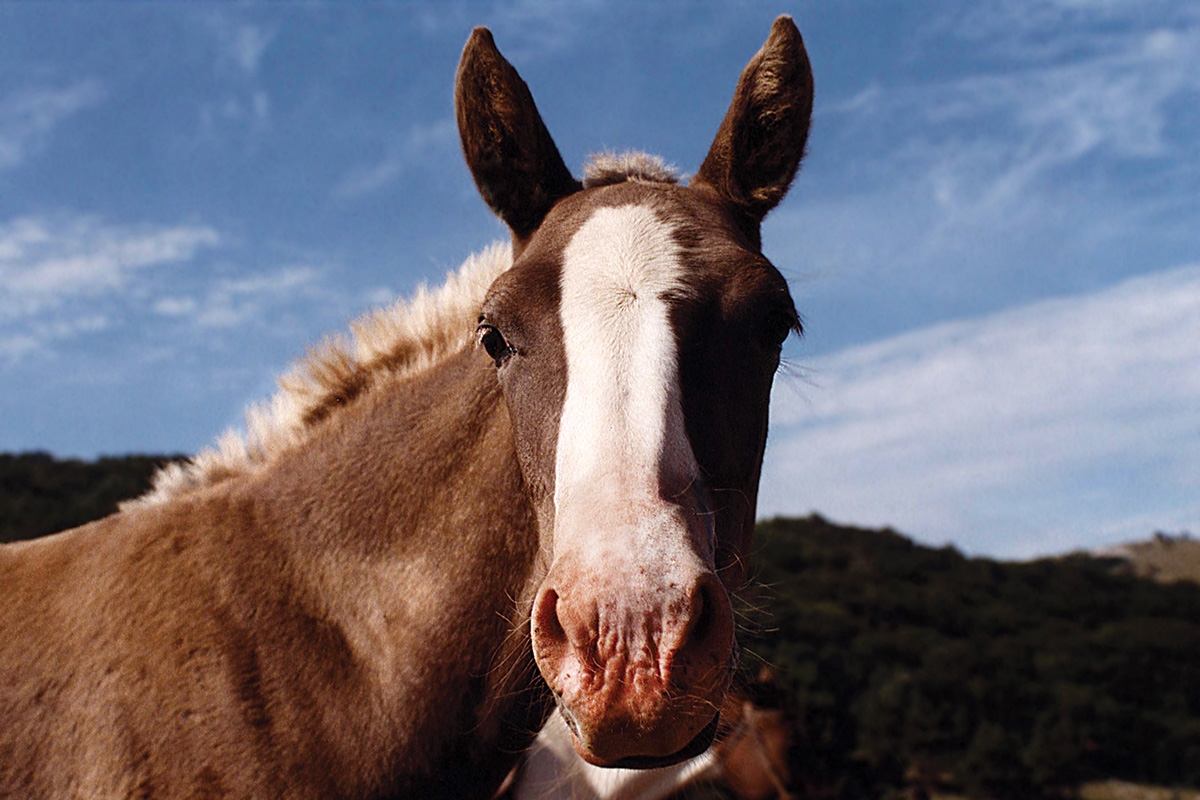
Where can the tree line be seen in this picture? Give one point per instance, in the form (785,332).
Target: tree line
(41,494)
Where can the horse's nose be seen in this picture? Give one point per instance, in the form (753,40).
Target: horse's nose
(664,625)
(635,660)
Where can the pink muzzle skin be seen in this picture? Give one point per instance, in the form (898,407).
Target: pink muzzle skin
(639,665)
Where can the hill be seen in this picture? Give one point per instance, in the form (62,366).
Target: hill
(907,664)
(903,670)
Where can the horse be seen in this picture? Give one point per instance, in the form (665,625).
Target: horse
(533,487)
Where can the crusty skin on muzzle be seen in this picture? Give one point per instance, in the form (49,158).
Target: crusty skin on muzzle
(533,486)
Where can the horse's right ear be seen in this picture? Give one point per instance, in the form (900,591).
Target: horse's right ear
(760,143)
(510,153)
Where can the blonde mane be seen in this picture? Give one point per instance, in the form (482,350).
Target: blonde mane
(401,339)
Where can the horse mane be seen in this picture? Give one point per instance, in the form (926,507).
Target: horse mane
(398,340)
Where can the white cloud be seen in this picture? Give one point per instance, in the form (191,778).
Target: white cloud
(16,346)
(67,278)
(1107,83)
(1115,98)
(47,261)
(175,306)
(250,114)
(243,106)
(62,275)
(525,29)
(1064,423)
(27,118)
(1052,161)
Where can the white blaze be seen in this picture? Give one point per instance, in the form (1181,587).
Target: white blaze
(622,429)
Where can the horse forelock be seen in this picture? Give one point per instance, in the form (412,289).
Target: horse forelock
(603,169)
(398,340)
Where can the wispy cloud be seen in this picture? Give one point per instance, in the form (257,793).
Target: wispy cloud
(528,29)
(70,276)
(245,104)
(1029,431)
(1117,97)
(66,277)
(241,43)
(45,262)
(418,146)
(233,303)
(28,117)
(244,111)
(1033,168)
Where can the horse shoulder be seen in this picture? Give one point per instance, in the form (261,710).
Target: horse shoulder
(113,659)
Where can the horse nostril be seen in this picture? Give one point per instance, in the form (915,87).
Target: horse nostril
(546,624)
(703,609)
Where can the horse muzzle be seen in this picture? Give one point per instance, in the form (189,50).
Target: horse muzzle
(639,668)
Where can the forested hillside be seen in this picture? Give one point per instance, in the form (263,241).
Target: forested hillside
(40,494)
(907,664)
(904,669)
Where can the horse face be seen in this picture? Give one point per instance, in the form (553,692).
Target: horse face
(635,339)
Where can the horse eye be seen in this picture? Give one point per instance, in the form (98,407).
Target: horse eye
(776,329)
(494,343)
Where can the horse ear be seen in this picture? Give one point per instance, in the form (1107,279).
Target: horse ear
(760,143)
(510,153)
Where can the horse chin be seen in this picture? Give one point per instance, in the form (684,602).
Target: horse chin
(699,743)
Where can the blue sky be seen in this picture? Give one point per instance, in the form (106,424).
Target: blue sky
(994,240)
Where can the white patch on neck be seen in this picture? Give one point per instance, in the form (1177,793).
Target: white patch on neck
(622,430)
(552,771)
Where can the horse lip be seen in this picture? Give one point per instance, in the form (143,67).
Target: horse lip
(567,716)
(702,741)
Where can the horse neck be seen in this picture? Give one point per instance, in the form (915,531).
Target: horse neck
(414,467)
(407,528)
(421,471)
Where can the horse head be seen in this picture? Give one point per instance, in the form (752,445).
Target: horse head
(635,340)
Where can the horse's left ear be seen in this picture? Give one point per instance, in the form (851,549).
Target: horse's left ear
(510,153)
(760,143)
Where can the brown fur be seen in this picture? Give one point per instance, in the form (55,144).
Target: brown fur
(401,339)
(306,631)
(338,603)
